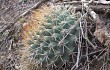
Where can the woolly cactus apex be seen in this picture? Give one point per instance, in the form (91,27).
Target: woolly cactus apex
(55,39)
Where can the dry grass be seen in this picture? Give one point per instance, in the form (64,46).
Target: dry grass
(25,63)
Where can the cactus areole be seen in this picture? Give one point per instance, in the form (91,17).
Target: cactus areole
(56,38)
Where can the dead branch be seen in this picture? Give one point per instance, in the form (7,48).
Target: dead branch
(92,1)
(101,32)
(93,5)
(33,7)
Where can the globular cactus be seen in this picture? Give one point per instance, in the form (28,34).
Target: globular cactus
(56,38)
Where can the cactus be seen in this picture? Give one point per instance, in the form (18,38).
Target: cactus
(56,38)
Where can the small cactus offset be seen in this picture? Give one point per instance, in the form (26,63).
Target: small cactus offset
(56,38)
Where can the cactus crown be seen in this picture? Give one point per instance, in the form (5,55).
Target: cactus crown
(55,39)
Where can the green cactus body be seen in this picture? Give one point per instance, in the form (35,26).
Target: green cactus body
(56,39)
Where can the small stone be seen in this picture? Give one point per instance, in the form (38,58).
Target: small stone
(17,67)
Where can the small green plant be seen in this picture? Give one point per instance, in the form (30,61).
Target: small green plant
(56,39)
